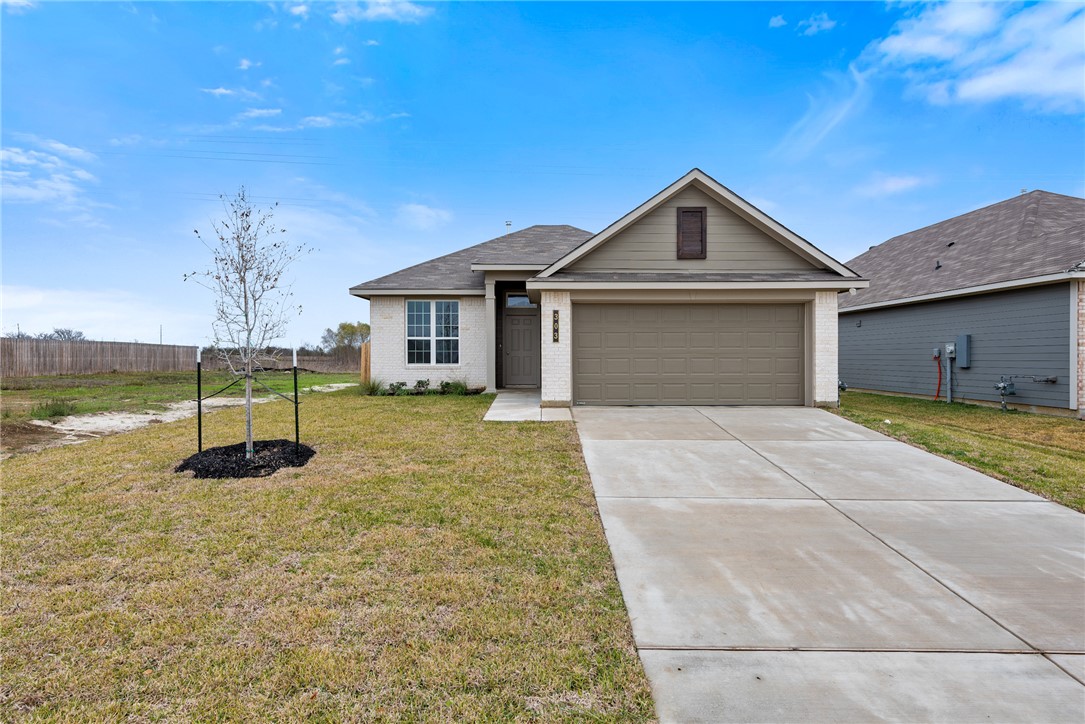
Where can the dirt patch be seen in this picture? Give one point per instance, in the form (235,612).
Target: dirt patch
(35,435)
(229,461)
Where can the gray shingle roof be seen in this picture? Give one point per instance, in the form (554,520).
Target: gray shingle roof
(1029,235)
(533,245)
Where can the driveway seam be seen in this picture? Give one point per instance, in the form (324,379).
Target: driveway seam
(880,539)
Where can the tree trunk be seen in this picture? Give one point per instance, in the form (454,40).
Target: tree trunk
(248,410)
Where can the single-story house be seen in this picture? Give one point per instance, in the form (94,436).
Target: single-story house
(693,297)
(1003,285)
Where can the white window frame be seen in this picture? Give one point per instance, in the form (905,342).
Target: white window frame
(432,338)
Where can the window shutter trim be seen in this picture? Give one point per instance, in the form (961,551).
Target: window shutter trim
(692,232)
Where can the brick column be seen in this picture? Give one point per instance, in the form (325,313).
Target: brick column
(826,374)
(557,357)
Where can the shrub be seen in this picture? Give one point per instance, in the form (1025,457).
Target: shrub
(52,409)
(454,387)
(404,391)
(396,389)
(421,386)
(372,387)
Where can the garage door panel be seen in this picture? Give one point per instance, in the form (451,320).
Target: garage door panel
(682,354)
(675,366)
(673,340)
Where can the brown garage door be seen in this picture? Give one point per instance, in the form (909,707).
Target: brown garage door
(688,354)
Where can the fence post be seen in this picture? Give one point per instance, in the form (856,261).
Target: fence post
(297,428)
(199,403)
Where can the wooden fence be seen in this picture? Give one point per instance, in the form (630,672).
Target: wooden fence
(34,357)
(39,357)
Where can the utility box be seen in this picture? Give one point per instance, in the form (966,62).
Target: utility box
(951,350)
(964,351)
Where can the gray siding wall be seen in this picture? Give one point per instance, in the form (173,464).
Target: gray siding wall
(651,243)
(1023,332)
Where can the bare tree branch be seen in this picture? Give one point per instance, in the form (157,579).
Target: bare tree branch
(253,302)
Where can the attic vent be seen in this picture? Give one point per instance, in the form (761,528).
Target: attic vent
(692,232)
(937,264)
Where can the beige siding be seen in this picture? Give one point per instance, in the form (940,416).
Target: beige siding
(733,244)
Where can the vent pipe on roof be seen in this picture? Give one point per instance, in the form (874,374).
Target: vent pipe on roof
(508,227)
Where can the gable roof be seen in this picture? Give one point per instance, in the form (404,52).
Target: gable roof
(730,200)
(536,245)
(1032,235)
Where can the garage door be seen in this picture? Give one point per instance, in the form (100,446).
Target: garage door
(688,354)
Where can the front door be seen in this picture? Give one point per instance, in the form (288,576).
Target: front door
(521,346)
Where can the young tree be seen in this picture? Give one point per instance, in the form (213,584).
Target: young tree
(347,334)
(250,256)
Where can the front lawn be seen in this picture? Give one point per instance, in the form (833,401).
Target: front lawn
(424,565)
(1038,453)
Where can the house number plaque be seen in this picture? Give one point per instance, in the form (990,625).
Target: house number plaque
(556,325)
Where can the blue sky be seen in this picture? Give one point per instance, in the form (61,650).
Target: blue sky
(391,133)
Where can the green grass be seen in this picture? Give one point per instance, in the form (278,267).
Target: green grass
(414,570)
(1039,453)
(135,391)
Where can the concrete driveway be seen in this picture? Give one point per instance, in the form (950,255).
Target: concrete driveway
(784,564)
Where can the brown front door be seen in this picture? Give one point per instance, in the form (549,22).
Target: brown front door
(521,346)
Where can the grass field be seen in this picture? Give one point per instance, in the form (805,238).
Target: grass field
(134,391)
(1039,453)
(414,569)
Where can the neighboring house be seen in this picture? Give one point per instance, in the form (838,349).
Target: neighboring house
(1010,276)
(694,297)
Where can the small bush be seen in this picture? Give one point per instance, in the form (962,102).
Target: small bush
(404,391)
(372,387)
(52,409)
(421,386)
(396,389)
(454,387)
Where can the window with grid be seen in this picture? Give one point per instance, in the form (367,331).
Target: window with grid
(433,332)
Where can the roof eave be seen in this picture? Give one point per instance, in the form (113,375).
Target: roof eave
(828,285)
(969,291)
(365,293)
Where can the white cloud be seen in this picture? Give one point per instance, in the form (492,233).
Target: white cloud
(817,23)
(882,185)
(422,217)
(301,11)
(398,11)
(16,7)
(982,52)
(371,42)
(40,177)
(259,113)
(342,61)
(57,147)
(340,50)
(316,122)
(777,21)
(245,64)
(242,93)
(131,139)
(846,96)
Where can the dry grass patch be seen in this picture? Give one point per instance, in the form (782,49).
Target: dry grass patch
(424,565)
(1039,453)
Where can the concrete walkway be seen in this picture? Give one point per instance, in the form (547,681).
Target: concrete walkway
(784,564)
(523,406)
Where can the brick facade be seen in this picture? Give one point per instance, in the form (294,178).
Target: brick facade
(557,357)
(825,332)
(389,352)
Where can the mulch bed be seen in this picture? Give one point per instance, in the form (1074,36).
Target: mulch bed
(230,462)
